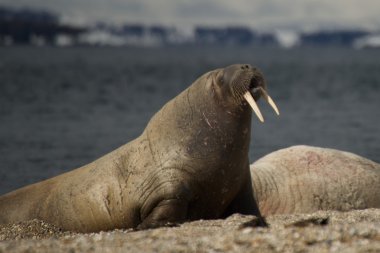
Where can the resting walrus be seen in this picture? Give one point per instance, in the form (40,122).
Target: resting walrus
(304,179)
(190,162)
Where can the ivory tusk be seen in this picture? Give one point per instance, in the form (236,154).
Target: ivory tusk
(254,106)
(269,100)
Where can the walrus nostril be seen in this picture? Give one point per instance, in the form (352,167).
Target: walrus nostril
(244,67)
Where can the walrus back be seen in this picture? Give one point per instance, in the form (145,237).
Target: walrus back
(304,179)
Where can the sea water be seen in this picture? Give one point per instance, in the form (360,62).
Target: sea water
(61,108)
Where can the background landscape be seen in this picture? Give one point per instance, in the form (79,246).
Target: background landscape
(40,27)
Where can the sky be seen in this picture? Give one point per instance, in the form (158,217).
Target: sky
(257,14)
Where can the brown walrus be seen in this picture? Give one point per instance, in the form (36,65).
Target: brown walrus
(190,162)
(304,179)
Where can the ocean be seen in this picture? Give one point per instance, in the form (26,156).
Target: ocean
(61,108)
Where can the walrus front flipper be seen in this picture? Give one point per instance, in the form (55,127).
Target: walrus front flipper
(245,203)
(168,212)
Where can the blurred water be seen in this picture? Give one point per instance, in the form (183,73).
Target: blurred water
(61,108)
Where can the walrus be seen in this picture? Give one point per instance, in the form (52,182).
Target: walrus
(190,162)
(305,179)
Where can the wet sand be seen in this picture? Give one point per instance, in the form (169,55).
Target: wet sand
(324,231)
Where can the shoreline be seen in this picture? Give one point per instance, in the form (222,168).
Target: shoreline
(323,231)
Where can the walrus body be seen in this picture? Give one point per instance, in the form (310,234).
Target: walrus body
(190,162)
(304,179)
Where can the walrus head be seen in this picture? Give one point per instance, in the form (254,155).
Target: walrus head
(243,84)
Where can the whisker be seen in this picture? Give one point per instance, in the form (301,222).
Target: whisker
(240,85)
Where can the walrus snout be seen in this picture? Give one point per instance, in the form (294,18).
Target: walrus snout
(245,84)
(248,83)
(257,83)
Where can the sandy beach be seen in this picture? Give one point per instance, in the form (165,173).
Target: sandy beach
(323,231)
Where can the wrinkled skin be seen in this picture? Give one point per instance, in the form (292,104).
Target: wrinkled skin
(304,179)
(190,162)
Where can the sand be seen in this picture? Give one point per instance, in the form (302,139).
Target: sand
(323,231)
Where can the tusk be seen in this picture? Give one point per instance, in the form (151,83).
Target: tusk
(269,100)
(254,106)
(271,103)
